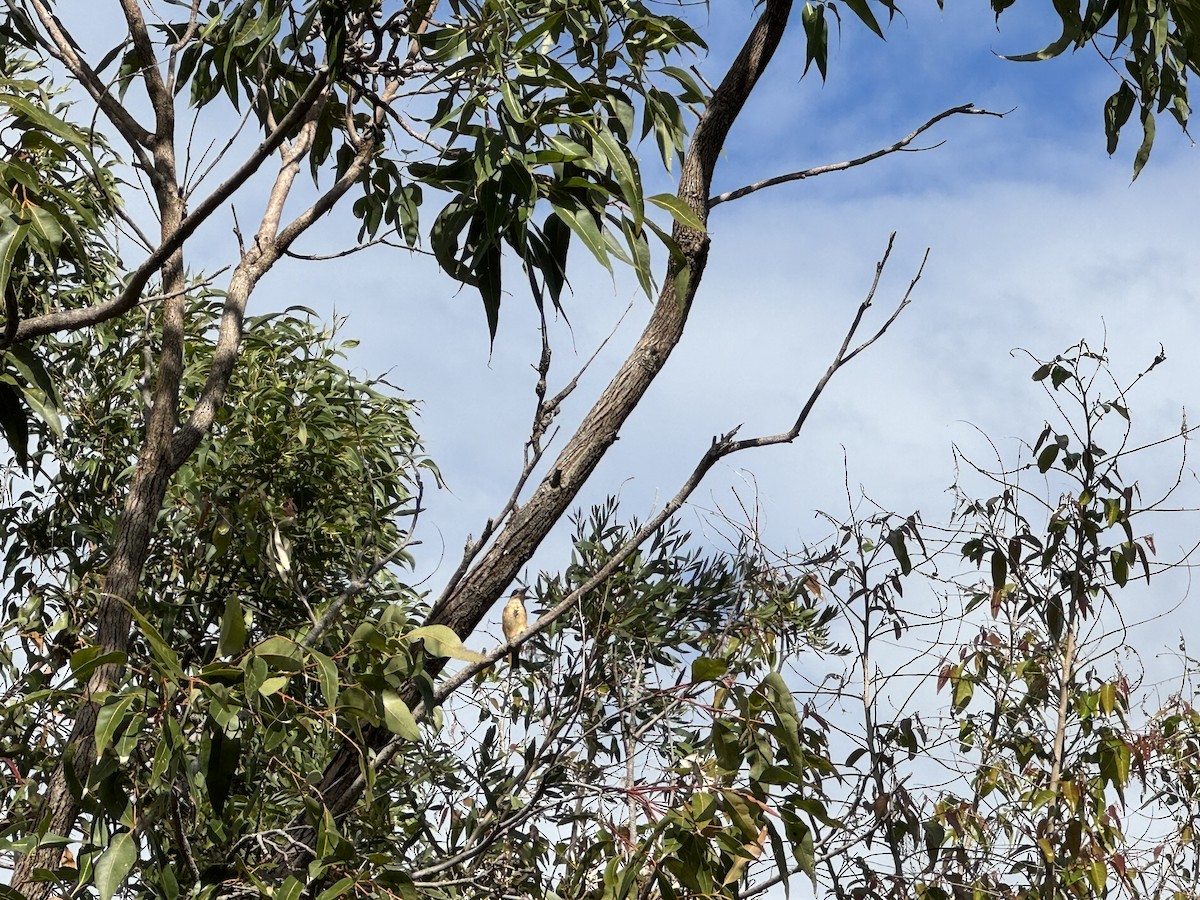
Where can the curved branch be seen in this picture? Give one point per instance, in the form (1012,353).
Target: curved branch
(465,605)
(967,109)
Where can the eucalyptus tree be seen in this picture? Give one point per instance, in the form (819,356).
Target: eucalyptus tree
(518,122)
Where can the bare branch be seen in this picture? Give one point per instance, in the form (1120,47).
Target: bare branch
(844,354)
(382,241)
(184,39)
(967,109)
(543,416)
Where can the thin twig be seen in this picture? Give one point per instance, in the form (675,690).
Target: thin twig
(360,584)
(544,414)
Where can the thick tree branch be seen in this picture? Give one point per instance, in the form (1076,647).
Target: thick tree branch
(144,500)
(469,602)
(161,99)
(967,109)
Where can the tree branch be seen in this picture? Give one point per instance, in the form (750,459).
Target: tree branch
(967,109)
(466,606)
(62,48)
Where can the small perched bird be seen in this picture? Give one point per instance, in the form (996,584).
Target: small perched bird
(514,619)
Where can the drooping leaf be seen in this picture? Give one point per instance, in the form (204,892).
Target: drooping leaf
(114,864)
(679,210)
(398,717)
(14,423)
(442,641)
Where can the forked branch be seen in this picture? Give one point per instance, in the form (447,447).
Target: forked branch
(721,448)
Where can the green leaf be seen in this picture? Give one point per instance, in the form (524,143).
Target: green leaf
(273,685)
(682,213)
(289,890)
(895,540)
(1143,151)
(442,642)
(1047,457)
(816,31)
(779,696)
(863,10)
(706,668)
(999,570)
(964,689)
(87,660)
(13,233)
(337,889)
(224,757)
(327,674)
(114,864)
(14,423)
(1108,697)
(624,171)
(1120,567)
(233,628)
(108,719)
(1117,110)
(585,227)
(279,651)
(1068,38)
(1097,874)
(398,717)
(159,648)
(26,362)
(511,102)
(168,882)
